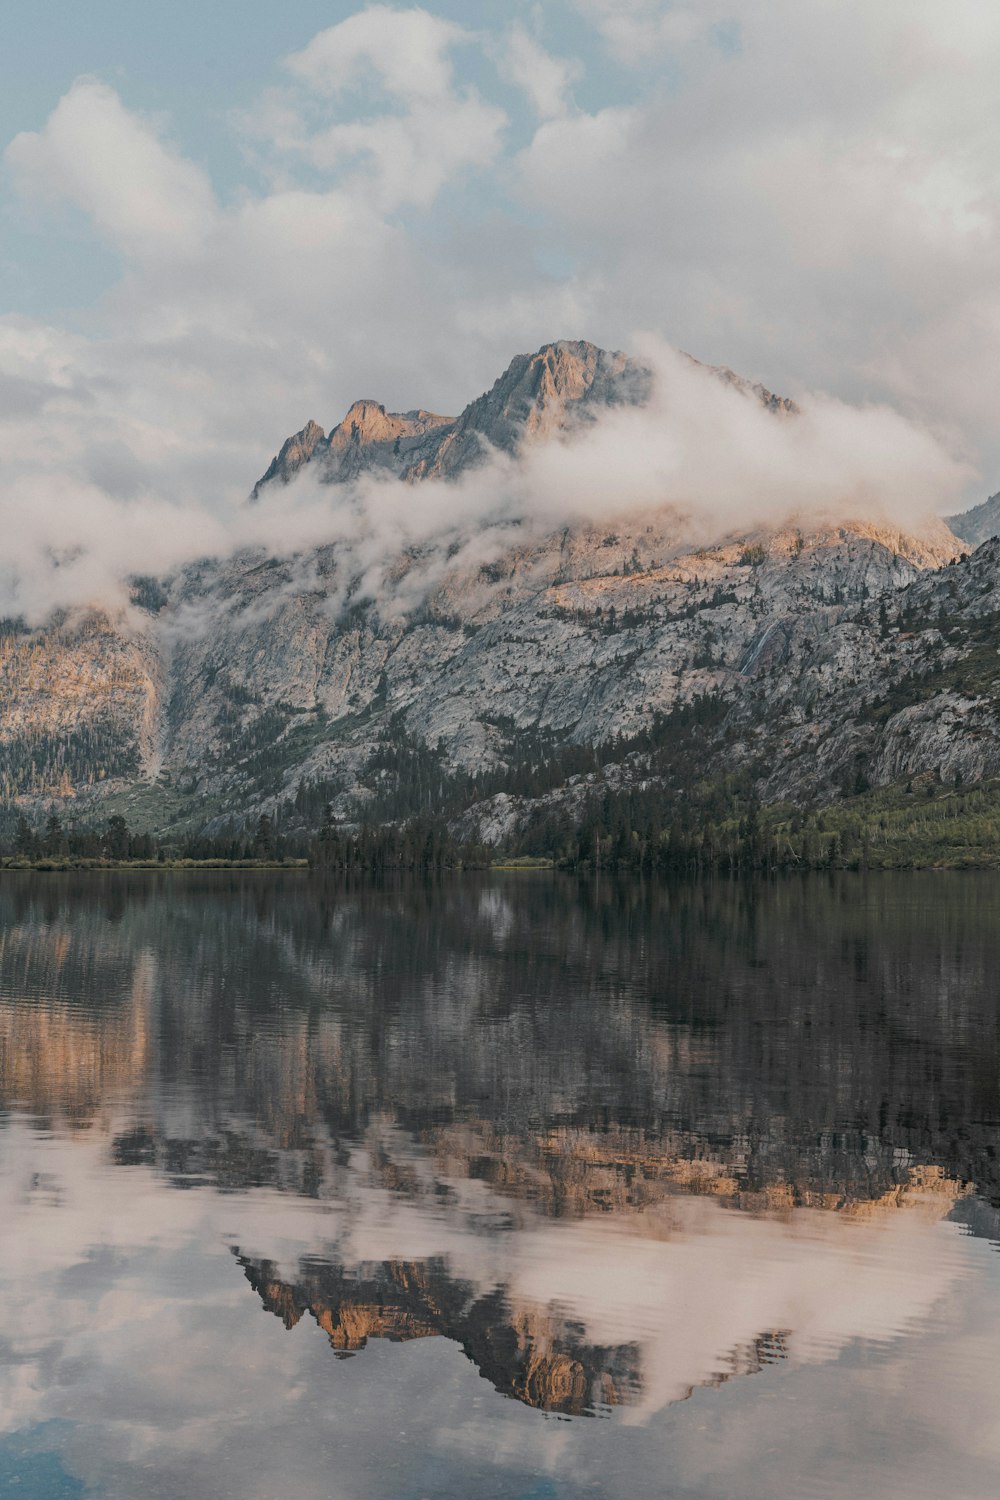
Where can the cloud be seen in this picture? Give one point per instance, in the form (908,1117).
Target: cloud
(704,453)
(146,198)
(638,31)
(703,449)
(811,200)
(815,197)
(407,49)
(546,80)
(429,130)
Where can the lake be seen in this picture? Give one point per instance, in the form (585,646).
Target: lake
(502,1185)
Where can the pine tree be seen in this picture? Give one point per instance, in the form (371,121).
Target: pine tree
(24,839)
(116,839)
(263,839)
(55,839)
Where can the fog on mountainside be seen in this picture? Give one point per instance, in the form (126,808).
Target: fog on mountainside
(655,431)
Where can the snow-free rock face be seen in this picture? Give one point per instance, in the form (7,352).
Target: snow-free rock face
(248,683)
(536,396)
(294,452)
(978,524)
(80,705)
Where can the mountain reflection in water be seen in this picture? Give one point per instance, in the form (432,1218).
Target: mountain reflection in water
(616,1144)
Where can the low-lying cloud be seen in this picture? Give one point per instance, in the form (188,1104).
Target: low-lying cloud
(702,447)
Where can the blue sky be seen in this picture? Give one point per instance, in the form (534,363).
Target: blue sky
(219,220)
(196,66)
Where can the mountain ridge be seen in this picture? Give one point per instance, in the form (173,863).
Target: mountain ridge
(552,390)
(979,524)
(257,683)
(536,395)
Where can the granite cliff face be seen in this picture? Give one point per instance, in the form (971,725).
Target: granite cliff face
(835,649)
(537,396)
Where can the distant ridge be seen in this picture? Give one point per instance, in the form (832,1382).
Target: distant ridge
(978,524)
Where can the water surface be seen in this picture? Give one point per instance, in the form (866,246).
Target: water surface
(502,1186)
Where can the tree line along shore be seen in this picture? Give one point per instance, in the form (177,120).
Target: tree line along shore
(714,829)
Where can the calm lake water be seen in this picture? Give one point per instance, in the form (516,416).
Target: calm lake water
(502,1186)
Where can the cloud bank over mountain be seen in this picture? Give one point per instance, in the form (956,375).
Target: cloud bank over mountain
(809,197)
(700,444)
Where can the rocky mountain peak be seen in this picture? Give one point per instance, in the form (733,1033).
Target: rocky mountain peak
(560,386)
(369,422)
(539,394)
(370,437)
(293,453)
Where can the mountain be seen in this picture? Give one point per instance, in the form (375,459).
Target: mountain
(294,452)
(518,673)
(978,524)
(537,395)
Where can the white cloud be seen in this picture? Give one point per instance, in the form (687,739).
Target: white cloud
(149,201)
(638,30)
(813,202)
(816,201)
(430,130)
(407,49)
(546,80)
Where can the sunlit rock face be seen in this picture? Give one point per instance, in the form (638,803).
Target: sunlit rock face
(294,452)
(80,704)
(538,396)
(227,688)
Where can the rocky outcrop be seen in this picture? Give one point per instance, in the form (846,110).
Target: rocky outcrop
(294,452)
(537,396)
(369,437)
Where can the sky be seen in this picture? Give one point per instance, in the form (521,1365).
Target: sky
(218,221)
